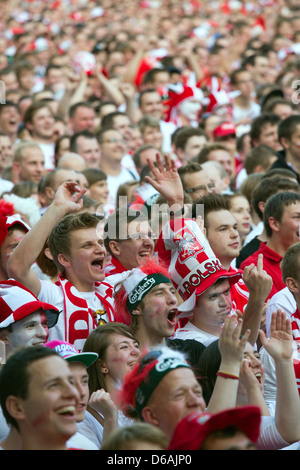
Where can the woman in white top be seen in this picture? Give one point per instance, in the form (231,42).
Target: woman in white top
(118,351)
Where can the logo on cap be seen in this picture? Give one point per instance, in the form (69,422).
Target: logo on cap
(139,292)
(168,363)
(187,244)
(65,349)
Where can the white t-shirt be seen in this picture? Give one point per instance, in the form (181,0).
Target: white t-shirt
(53,294)
(92,429)
(270,391)
(128,163)
(167,129)
(48,151)
(241,177)
(113,183)
(5,185)
(240,113)
(269,437)
(4,428)
(190,331)
(284,300)
(81,442)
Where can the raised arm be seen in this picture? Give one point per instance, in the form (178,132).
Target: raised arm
(67,200)
(187,53)
(101,401)
(280,348)
(259,284)
(253,394)
(110,88)
(76,85)
(231,345)
(143,48)
(166,181)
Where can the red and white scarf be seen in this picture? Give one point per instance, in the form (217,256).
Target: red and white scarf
(239,293)
(79,318)
(295,323)
(114,267)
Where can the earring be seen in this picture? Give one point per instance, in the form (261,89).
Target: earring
(105,371)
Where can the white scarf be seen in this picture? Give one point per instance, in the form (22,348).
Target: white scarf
(80,318)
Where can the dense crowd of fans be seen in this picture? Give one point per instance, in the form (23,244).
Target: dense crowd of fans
(149,224)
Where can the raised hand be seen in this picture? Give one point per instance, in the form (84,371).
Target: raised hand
(127,90)
(73,80)
(257,279)
(101,401)
(232,344)
(166,180)
(247,377)
(280,343)
(69,196)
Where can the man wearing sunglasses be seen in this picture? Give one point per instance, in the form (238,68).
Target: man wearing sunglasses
(129,240)
(195,180)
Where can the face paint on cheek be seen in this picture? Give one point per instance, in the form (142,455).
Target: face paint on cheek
(41,419)
(156,313)
(117,360)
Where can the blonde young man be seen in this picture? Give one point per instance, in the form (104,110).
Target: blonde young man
(78,252)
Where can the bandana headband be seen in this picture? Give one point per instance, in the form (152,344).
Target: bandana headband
(143,287)
(162,366)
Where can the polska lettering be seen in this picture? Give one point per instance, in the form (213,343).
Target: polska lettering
(205,270)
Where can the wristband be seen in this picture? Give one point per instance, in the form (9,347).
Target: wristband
(226,375)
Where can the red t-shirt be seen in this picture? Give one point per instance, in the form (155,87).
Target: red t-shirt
(271,264)
(239,293)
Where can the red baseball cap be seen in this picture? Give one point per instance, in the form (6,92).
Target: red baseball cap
(224,129)
(192,430)
(17,302)
(7,222)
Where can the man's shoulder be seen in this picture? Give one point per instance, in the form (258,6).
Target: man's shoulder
(190,331)
(270,256)
(250,259)
(281,162)
(252,246)
(282,297)
(47,285)
(247,251)
(50,292)
(5,185)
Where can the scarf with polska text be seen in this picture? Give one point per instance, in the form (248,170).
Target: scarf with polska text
(79,318)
